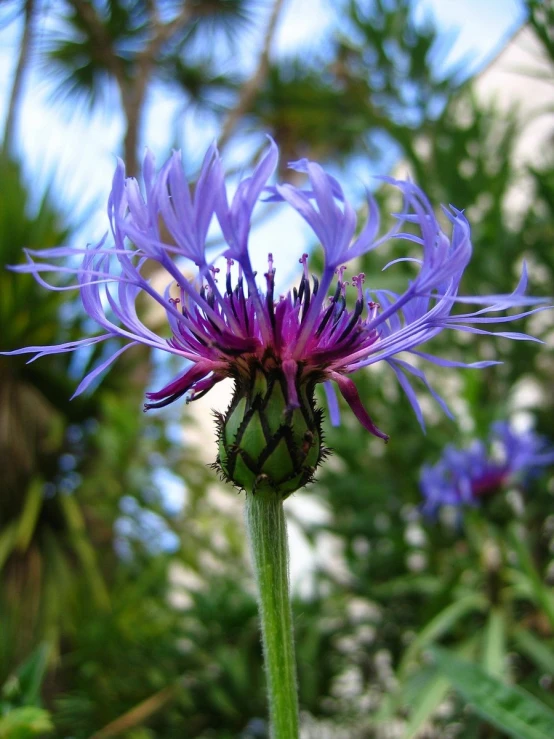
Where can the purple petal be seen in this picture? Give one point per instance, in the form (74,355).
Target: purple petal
(332,403)
(349,392)
(421,376)
(85,382)
(409,391)
(449,363)
(58,348)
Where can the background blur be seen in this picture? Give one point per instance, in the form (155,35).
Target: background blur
(126,605)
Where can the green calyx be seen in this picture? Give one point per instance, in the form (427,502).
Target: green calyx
(265,445)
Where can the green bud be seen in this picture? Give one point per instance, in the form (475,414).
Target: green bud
(264,444)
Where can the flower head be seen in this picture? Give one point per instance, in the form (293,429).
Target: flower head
(224,321)
(467,476)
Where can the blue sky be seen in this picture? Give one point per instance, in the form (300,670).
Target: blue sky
(75,151)
(482,26)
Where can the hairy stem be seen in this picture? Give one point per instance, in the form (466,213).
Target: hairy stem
(267,535)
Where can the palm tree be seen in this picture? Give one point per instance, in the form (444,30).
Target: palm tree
(25,47)
(133,44)
(45,548)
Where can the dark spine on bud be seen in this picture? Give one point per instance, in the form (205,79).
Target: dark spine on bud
(263,443)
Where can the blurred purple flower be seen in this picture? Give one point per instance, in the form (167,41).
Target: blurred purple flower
(466,476)
(309,334)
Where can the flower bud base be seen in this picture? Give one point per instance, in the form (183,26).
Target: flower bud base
(267,443)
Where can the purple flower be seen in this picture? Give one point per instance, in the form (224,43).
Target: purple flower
(240,327)
(466,476)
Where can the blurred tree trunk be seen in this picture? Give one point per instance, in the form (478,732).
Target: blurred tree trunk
(133,108)
(132,85)
(17,85)
(251,88)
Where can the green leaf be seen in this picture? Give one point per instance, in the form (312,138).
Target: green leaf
(535,649)
(85,550)
(435,690)
(510,708)
(541,594)
(28,519)
(32,672)
(440,625)
(432,691)
(406,585)
(23,723)
(8,536)
(495,644)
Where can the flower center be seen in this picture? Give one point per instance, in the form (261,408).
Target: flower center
(225,326)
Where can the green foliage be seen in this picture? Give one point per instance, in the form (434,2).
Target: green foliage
(21,714)
(203,87)
(77,57)
(213,18)
(48,444)
(23,687)
(32,429)
(376,83)
(206,654)
(541,20)
(397,58)
(91,48)
(24,723)
(518,713)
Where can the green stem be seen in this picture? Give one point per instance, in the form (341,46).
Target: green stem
(267,535)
